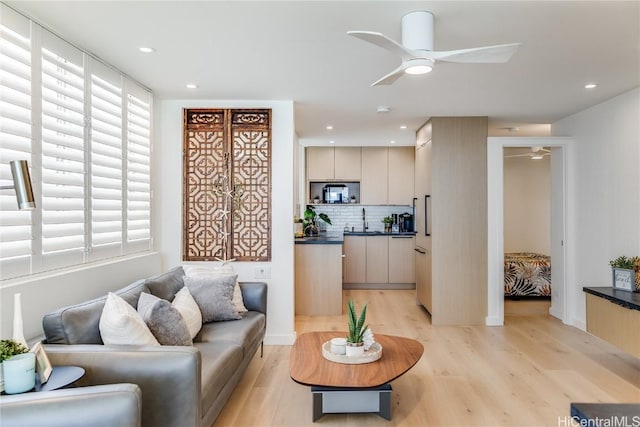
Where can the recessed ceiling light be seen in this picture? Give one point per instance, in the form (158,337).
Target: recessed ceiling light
(392,142)
(191,86)
(590,86)
(329,127)
(145,49)
(332,142)
(383,109)
(403,126)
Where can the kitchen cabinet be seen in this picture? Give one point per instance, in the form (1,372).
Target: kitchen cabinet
(455,261)
(377,259)
(355,260)
(334,164)
(400,175)
(401,259)
(318,288)
(375,176)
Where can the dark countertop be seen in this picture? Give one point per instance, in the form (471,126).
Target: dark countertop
(610,414)
(626,299)
(319,240)
(379,233)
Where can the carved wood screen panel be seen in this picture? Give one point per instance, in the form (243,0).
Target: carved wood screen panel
(227,185)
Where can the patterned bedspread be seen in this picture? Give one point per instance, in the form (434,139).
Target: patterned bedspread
(527,274)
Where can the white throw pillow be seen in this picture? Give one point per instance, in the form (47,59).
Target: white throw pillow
(215,271)
(187,306)
(120,324)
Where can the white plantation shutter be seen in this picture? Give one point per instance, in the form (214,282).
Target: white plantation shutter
(106,163)
(63,154)
(138,169)
(85,130)
(15,134)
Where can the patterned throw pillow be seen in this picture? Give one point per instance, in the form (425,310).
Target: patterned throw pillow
(164,321)
(224,269)
(213,296)
(120,323)
(189,309)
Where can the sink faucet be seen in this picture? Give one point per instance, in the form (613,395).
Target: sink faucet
(364,222)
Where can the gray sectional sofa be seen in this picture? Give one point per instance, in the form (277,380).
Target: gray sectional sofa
(181,386)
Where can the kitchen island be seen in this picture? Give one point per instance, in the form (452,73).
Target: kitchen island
(318,276)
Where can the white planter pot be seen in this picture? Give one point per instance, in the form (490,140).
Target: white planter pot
(1,379)
(355,350)
(19,373)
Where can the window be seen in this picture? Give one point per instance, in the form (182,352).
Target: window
(85,130)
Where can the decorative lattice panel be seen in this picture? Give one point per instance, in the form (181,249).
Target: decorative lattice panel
(227,185)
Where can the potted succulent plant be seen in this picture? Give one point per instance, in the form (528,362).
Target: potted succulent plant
(357,329)
(309,224)
(626,273)
(8,349)
(388,222)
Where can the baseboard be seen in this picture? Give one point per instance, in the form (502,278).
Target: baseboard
(378,286)
(555,312)
(493,321)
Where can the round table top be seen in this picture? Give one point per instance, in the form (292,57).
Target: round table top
(60,377)
(308,366)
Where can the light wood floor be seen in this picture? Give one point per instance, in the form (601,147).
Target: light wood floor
(523,374)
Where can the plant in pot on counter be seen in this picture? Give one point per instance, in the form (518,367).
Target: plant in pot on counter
(627,263)
(310,222)
(388,222)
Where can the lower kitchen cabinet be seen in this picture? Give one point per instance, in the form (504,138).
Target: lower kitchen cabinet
(379,260)
(318,283)
(355,260)
(401,259)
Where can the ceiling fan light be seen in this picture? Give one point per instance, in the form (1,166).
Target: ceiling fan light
(537,157)
(418,69)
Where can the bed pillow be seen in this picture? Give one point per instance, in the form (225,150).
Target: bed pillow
(164,321)
(188,308)
(223,269)
(213,296)
(120,324)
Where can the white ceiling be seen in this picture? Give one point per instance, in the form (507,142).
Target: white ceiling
(299,50)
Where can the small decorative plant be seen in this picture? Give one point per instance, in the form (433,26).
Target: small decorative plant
(9,348)
(388,221)
(309,224)
(628,263)
(357,327)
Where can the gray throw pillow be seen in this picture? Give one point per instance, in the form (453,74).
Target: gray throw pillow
(164,321)
(213,296)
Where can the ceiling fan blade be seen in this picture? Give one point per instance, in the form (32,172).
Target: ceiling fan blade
(384,42)
(518,155)
(389,78)
(486,54)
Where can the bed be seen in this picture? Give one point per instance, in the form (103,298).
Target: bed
(527,274)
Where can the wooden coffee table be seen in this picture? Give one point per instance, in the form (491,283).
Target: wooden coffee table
(343,388)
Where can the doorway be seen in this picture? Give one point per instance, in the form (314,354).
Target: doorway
(559,246)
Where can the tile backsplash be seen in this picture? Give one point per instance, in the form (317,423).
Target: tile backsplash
(351,216)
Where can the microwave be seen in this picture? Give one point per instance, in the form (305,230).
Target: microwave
(335,194)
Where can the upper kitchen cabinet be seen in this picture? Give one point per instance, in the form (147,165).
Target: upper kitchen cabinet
(333,163)
(387,176)
(375,176)
(401,171)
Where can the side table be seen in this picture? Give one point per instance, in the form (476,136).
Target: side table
(61,376)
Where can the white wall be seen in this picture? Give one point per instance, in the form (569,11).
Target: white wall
(168,203)
(606,183)
(527,185)
(44,293)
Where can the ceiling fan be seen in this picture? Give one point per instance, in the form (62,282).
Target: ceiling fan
(416,50)
(537,153)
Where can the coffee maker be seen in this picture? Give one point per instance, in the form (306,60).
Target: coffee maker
(405,221)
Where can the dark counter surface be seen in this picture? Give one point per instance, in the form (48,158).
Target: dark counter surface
(611,414)
(319,240)
(379,233)
(626,299)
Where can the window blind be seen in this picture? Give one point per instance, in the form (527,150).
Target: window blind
(15,134)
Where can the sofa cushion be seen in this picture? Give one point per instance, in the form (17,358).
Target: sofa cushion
(188,308)
(220,360)
(79,323)
(163,320)
(213,296)
(166,285)
(120,324)
(244,332)
(224,269)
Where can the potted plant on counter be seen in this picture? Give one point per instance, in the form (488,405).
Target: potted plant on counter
(309,224)
(626,273)
(388,223)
